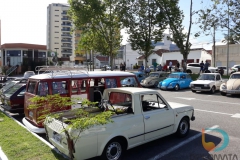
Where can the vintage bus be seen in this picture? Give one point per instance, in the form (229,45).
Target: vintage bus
(74,84)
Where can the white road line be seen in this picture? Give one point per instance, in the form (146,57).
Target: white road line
(181,144)
(206,100)
(214,112)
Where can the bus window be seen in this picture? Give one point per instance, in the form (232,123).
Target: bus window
(111,83)
(42,89)
(79,86)
(31,87)
(128,82)
(59,87)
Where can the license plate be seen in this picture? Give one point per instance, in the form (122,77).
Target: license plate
(57,137)
(231,91)
(197,87)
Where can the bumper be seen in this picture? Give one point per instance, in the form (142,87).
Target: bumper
(13,110)
(201,88)
(166,87)
(231,91)
(147,85)
(32,127)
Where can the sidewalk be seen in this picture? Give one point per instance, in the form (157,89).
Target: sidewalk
(2,155)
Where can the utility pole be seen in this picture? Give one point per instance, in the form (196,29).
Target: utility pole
(214,46)
(228,42)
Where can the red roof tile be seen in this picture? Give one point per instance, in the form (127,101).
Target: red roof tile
(23,45)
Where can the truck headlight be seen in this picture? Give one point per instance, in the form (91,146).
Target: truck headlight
(206,85)
(224,87)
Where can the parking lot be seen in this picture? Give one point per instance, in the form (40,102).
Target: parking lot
(212,111)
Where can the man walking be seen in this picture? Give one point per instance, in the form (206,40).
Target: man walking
(170,66)
(201,67)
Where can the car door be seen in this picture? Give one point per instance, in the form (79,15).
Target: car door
(218,82)
(158,118)
(182,81)
(188,81)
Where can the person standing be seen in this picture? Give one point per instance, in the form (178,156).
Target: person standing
(201,67)
(124,67)
(159,67)
(142,67)
(121,66)
(170,66)
(154,66)
(178,67)
(206,65)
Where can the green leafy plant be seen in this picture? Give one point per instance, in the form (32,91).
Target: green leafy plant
(82,119)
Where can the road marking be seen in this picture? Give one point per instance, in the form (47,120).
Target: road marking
(181,144)
(206,100)
(237,115)
(214,112)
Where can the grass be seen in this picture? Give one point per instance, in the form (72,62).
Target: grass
(18,143)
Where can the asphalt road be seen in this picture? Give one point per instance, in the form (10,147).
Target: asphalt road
(211,111)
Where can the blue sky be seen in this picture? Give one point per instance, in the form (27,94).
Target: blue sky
(24,21)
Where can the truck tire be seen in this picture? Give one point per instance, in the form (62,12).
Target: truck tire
(183,127)
(223,94)
(213,89)
(113,150)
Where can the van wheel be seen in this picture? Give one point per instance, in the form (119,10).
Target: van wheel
(113,150)
(176,88)
(183,127)
(223,94)
(189,71)
(212,91)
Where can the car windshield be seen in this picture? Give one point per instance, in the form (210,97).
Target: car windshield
(235,76)
(11,83)
(127,80)
(210,77)
(154,75)
(174,76)
(12,90)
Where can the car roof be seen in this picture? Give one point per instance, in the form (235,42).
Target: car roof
(178,73)
(131,90)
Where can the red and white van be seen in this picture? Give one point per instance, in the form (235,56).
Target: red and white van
(74,84)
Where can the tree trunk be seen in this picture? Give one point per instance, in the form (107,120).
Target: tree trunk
(185,55)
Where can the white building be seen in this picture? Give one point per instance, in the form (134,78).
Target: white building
(164,57)
(59,38)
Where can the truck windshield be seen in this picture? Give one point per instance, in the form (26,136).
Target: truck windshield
(207,77)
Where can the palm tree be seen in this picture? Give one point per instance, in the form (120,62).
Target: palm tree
(231,39)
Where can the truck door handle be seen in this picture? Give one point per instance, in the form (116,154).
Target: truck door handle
(147,117)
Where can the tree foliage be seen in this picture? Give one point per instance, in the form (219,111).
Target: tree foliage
(139,17)
(98,18)
(174,18)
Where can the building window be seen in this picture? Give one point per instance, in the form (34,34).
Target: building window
(56,10)
(56,15)
(56,37)
(57,26)
(56,43)
(56,32)
(56,21)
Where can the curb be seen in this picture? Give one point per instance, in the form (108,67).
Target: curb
(2,155)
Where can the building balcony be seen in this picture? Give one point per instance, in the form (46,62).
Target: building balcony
(64,59)
(64,13)
(67,46)
(66,41)
(66,35)
(64,24)
(66,30)
(66,52)
(65,19)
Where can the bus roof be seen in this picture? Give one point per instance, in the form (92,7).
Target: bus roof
(82,74)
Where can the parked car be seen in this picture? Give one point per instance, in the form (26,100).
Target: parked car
(176,81)
(195,68)
(28,74)
(140,76)
(105,67)
(232,86)
(9,84)
(129,82)
(222,70)
(207,82)
(13,98)
(153,79)
(145,116)
(234,68)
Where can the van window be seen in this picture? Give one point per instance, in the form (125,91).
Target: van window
(128,82)
(31,87)
(42,89)
(79,86)
(111,83)
(59,87)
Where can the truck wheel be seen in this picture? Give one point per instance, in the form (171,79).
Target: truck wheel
(193,91)
(183,127)
(212,91)
(113,150)
(223,94)
(176,88)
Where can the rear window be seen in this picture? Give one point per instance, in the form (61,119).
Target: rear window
(128,82)
(120,99)
(59,87)
(235,76)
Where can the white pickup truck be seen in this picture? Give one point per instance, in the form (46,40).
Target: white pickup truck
(207,82)
(146,116)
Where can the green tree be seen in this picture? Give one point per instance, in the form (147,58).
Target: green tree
(144,23)
(174,17)
(83,120)
(231,39)
(100,17)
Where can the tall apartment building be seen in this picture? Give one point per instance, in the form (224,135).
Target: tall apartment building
(59,37)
